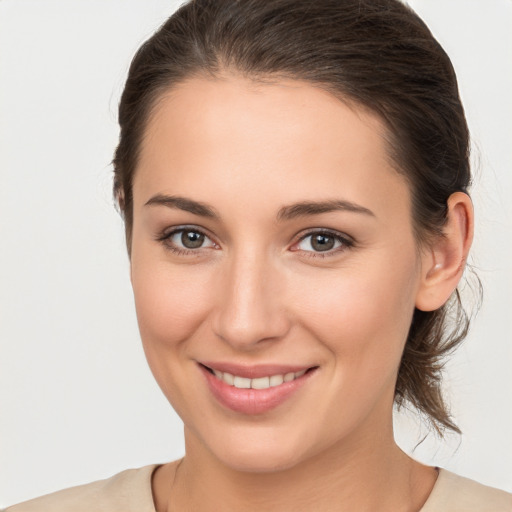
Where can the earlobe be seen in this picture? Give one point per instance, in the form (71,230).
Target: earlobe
(443,262)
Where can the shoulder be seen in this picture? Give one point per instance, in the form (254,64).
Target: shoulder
(127,491)
(454,493)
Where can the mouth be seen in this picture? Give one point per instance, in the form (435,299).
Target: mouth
(256,389)
(263,382)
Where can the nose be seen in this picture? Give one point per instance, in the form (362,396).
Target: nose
(250,305)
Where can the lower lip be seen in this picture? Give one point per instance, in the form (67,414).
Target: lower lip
(253,401)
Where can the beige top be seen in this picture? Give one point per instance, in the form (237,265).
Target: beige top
(130,491)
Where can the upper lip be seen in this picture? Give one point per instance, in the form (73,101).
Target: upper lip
(254,371)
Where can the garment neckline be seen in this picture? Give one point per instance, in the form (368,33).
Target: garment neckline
(441,473)
(428,502)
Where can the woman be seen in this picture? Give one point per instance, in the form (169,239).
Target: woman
(293,178)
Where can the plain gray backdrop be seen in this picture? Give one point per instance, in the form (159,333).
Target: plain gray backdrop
(77,401)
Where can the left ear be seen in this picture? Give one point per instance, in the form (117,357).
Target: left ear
(443,261)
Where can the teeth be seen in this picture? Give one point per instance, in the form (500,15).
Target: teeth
(289,377)
(242,382)
(227,378)
(260,382)
(276,380)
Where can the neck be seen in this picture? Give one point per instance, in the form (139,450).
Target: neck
(366,474)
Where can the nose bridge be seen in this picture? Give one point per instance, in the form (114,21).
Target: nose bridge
(250,308)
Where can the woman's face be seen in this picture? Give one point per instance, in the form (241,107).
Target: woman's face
(272,236)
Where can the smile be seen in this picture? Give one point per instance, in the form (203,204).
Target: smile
(258,383)
(257,389)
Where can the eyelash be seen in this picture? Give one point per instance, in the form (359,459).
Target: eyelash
(346,242)
(166,236)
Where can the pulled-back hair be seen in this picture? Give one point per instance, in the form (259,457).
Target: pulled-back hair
(377,54)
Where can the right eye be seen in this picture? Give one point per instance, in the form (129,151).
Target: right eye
(186,240)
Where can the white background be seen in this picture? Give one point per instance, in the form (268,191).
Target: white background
(77,401)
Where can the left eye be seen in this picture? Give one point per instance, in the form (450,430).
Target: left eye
(320,242)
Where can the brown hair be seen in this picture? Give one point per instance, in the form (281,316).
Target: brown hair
(376,53)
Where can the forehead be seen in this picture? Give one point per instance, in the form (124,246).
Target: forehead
(285,139)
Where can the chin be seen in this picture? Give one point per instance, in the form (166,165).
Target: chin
(258,462)
(256,453)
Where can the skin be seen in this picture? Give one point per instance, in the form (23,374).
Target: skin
(257,292)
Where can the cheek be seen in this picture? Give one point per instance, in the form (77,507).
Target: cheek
(362,316)
(171,303)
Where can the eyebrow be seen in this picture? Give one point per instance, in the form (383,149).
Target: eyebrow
(301,209)
(307,208)
(182,203)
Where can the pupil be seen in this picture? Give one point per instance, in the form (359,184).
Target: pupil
(192,239)
(322,242)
